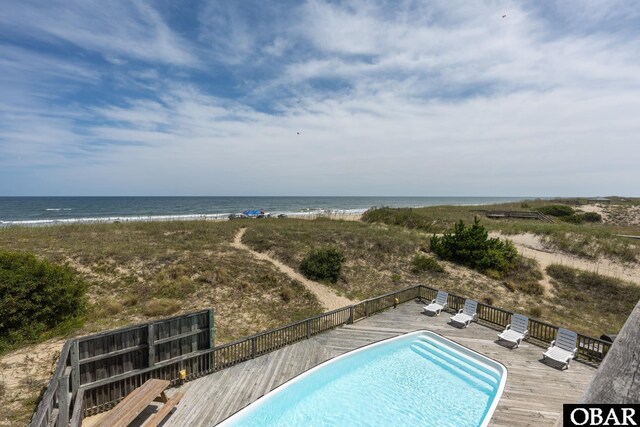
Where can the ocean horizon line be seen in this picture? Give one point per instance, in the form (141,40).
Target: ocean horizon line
(67,209)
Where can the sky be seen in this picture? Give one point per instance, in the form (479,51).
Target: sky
(379,98)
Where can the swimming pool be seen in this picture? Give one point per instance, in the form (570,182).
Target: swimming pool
(420,378)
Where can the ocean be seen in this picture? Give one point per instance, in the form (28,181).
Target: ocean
(59,210)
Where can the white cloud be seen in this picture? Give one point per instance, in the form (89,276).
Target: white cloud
(114,29)
(387,98)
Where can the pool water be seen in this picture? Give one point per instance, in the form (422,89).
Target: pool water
(416,379)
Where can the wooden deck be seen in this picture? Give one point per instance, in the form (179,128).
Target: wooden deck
(533,395)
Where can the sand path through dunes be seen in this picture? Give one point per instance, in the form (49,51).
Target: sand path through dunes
(530,246)
(327,297)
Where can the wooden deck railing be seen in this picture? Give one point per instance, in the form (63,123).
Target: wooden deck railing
(516,214)
(590,349)
(84,399)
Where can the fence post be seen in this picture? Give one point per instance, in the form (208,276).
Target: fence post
(350,322)
(75,365)
(211,341)
(308,328)
(211,336)
(194,337)
(63,399)
(366,308)
(150,343)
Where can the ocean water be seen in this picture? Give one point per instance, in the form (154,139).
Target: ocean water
(51,210)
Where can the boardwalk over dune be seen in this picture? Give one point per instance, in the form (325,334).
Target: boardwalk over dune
(533,395)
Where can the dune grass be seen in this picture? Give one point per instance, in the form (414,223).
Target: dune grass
(591,301)
(143,270)
(140,271)
(380,258)
(587,240)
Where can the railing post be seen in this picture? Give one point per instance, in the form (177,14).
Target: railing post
(350,322)
(63,399)
(254,345)
(366,308)
(150,342)
(75,366)
(308,328)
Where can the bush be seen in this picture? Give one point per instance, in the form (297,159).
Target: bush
(579,218)
(422,263)
(556,210)
(323,264)
(573,219)
(592,217)
(471,246)
(36,296)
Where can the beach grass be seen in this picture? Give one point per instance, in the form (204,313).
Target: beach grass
(145,270)
(381,258)
(596,299)
(138,271)
(587,240)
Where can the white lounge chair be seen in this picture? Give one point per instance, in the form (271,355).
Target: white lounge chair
(467,314)
(438,304)
(516,331)
(563,348)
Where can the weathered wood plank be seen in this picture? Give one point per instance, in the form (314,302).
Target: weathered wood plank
(132,405)
(533,395)
(617,380)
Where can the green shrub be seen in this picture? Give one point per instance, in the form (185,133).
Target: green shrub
(36,296)
(422,263)
(579,218)
(573,219)
(471,246)
(323,264)
(556,210)
(592,217)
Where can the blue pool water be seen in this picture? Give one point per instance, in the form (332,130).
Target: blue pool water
(416,379)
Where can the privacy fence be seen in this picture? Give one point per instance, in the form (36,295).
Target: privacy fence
(95,372)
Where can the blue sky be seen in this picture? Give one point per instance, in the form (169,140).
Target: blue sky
(319,97)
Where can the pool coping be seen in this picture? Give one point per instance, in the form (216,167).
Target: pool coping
(485,421)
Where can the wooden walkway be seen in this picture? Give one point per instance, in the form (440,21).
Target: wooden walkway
(533,395)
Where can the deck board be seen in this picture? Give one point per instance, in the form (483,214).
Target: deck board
(533,394)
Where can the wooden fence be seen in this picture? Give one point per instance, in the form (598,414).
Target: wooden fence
(96,371)
(186,342)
